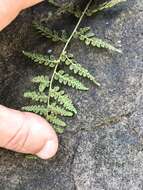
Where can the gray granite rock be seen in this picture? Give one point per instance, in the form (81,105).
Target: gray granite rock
(103,148)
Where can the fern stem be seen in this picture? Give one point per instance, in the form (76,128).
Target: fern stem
(75,29)
(64,49)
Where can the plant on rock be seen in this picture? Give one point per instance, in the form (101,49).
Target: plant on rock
(50,100)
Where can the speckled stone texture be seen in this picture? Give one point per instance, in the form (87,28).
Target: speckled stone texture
(103,149)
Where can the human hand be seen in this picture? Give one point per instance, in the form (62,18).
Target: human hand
(20,131)
(9,9)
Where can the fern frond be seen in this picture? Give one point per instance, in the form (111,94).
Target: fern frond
(55,102)
(51,34)
(36,96)
(55,120)
(104,6)
(63,99)
(66,79)
(89,38)
(49,60)
(38,109)
(69,60)
(57,110)
(43,82)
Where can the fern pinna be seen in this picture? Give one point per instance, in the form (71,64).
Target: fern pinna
(50,100)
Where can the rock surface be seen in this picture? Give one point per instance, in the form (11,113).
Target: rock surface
(103,148)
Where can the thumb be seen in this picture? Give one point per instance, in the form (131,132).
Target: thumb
(9,9)
(27,133)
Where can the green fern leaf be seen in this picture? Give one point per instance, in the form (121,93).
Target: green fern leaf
(85,35)
(43,82)
(66,79)
(57,110)
(38,109)
(56,121)
(41,59)
(41,79)
(51,34)
(69,60)
(63,99)
(36,96)
(67,7)
(103,6)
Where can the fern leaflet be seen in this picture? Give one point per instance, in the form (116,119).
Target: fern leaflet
(57,110)
(41,59)
(38,109)
(36,96)
(66,79)
(85,35)
(69,60)
(51,34)
(55,120)
(43,82)
(63,99)
(67,7)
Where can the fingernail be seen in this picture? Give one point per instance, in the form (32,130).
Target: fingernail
(48,151)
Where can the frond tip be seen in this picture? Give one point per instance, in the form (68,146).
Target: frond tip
(85,35)
(107,5)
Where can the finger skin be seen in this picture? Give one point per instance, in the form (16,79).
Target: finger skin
(27,133)
(29,3)
(9,9)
